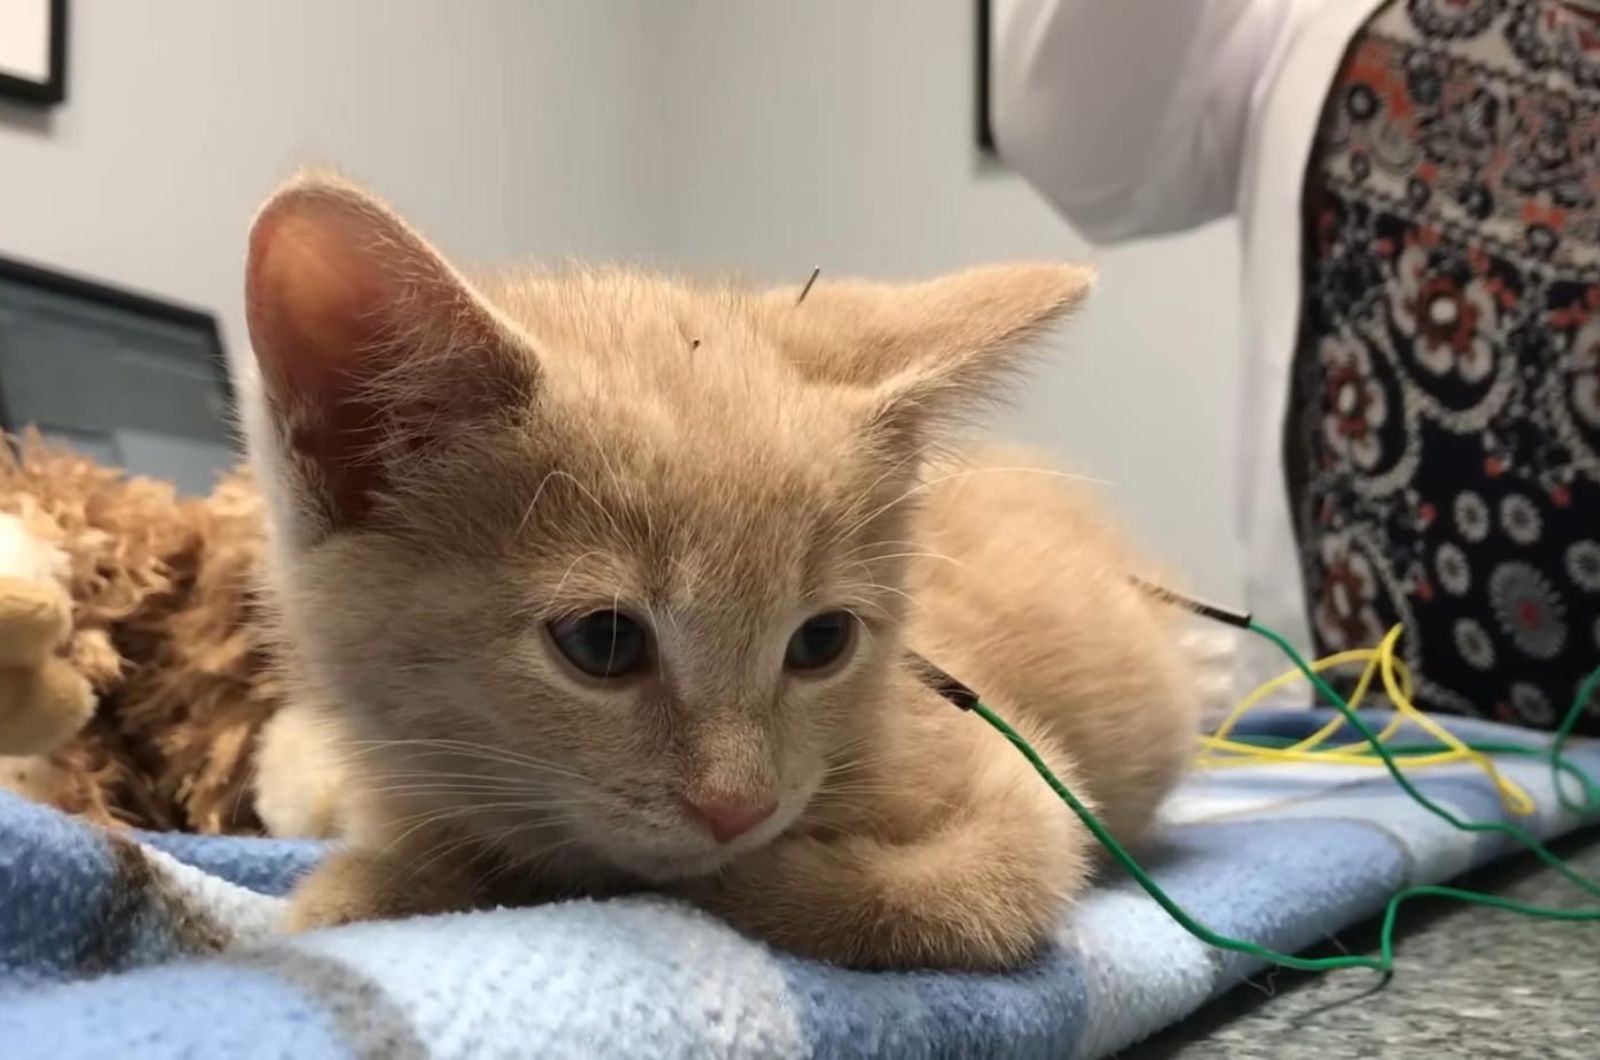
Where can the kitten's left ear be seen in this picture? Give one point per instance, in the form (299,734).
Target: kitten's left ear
(930,349)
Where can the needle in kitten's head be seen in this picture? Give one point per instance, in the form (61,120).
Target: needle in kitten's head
(815,272)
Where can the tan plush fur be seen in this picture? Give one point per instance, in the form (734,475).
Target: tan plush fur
(451,466)
(164,632)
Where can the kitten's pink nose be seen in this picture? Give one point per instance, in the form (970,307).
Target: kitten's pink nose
(729,819)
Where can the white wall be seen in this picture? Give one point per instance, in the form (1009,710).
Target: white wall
(504,127)
(839,133)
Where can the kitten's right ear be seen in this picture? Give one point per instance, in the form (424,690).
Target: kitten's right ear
(372,348)
(925,354)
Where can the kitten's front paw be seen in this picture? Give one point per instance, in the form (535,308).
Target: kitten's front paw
(858,903)
(301,787)
(340,891)
(353,885)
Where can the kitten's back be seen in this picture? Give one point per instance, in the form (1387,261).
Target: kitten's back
(1024,594)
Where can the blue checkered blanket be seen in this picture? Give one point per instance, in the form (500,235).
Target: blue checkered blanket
(160,946)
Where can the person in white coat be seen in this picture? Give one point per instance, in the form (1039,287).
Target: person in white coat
(1418,189)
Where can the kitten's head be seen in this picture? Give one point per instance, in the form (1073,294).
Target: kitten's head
(601,557)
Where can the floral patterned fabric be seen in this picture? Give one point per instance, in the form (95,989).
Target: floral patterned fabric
(1443,445)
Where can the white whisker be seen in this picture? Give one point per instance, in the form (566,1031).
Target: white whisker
(538,492)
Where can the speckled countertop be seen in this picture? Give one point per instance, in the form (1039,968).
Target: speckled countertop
(1470,983)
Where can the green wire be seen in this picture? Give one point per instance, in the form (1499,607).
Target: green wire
(1506,828)
(1153,889)
(1579,702)
(1384,962)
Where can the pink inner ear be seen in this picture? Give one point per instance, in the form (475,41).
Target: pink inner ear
(334,283)
(314,301)
(318,296)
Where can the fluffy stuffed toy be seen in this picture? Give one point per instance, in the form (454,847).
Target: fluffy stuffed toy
(44,700)
(139,704)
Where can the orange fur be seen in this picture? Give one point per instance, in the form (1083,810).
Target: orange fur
(452,465)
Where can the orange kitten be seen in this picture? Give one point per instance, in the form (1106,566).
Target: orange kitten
(609,580)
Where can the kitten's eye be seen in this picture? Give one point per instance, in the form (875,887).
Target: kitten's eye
(819,641)
(603,643)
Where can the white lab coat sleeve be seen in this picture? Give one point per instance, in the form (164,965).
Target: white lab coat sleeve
(1131,116)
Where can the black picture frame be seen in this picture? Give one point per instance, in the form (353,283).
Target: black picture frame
(81,289)
(983,35)
(52,90)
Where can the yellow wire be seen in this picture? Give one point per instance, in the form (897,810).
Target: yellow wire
(1388,731)
(1512,795)
(1297,752)
(1242,761)
(1289,677)
(1283,680)
(1219,752)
